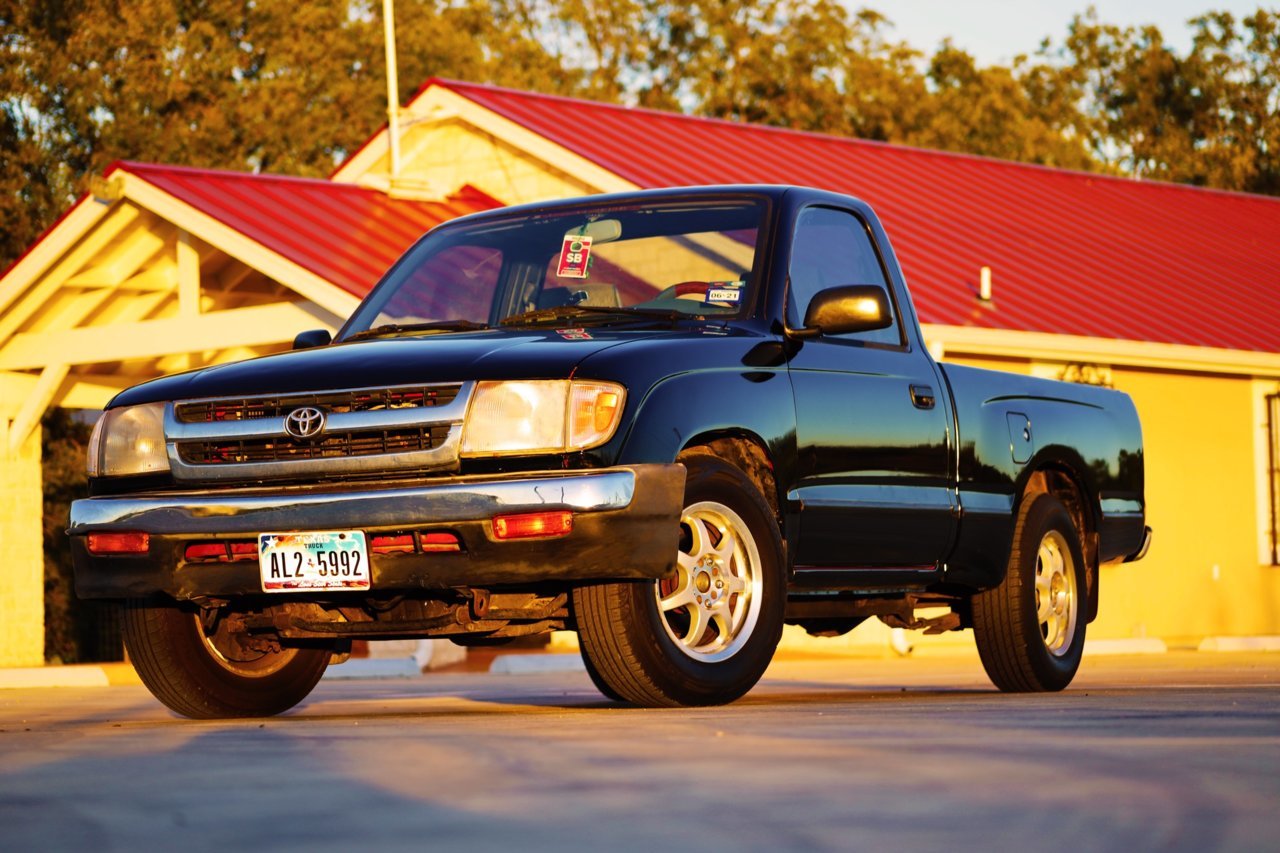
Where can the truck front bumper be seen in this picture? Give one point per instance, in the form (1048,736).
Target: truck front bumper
(625,526)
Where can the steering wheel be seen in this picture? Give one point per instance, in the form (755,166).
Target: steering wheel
(692,290)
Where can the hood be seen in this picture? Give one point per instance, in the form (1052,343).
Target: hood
(387,362)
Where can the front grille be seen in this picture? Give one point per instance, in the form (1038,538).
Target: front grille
(329,445)
(250,408)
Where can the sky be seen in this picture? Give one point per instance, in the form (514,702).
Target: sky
(994,31)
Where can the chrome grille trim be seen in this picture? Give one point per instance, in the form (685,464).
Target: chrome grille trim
(225,410)
(191,445)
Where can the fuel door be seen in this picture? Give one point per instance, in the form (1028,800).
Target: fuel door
(1020,441)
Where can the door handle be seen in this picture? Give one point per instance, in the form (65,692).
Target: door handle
(922,396)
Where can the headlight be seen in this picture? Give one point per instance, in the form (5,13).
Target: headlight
(541,416)
(129,441)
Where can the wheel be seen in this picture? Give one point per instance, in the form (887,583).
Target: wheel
(211,675)
(705,636)
(1030,629)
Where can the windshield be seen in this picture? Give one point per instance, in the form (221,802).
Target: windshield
(613,264)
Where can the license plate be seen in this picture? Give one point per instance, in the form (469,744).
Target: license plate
(316,560)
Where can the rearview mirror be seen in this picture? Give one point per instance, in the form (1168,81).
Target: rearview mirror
(600,231)
(848,309)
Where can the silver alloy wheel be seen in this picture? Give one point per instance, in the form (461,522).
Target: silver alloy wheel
(711,607)
(1057,602)
(223,649)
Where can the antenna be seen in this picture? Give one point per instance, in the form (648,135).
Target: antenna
(393,87)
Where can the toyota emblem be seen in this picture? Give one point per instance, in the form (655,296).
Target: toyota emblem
(306,422)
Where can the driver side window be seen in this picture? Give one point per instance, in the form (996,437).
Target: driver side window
(831,249)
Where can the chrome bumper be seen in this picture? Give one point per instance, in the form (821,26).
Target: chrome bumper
(625,526)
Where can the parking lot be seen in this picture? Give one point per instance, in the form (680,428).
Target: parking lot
(1179,751)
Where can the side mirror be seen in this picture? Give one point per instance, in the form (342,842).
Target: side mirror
(842,310)
(312,338)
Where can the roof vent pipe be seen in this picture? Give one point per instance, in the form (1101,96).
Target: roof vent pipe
(984,284)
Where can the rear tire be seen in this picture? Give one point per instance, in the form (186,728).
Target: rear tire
(1030,629)
(209,676)
(705,636)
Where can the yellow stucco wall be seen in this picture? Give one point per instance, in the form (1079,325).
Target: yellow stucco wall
(22,578)
(1203,575)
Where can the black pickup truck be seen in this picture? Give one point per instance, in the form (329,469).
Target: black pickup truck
(671,421)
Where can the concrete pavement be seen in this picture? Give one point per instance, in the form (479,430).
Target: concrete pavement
(1166,752)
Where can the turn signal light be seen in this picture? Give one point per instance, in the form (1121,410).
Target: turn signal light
(533,525)
(221,552)
(399,544)
(205,551)
(119,543)
(437,542)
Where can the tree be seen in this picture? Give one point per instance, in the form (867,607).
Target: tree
(237,84)
(273,86)
(1208,118)
(997,112)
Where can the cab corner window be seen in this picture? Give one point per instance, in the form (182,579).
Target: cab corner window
(832,249)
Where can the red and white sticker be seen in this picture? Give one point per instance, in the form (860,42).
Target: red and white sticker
(574,334)
(575,255)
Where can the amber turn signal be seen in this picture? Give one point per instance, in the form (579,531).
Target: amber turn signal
(533,525)
(119,543)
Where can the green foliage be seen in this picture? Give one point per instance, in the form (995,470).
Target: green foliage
(1207,118)
(292,88)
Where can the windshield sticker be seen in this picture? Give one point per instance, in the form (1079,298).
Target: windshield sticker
(574,334)
(575,257)
(725,291)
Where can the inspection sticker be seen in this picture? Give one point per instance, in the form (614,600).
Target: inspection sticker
(574,334)
(575,255)
(725,291)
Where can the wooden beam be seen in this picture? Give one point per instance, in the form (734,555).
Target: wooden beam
(33,408)
(302,281)
(130,307)
(188,290)
(14,388)
(23,295)
(160,277)
(52,250)
(69,310)
(266,324)
(129,255)
(188,276)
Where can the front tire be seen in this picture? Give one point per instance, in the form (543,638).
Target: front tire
(210,675)
(705,636)
(1030,629)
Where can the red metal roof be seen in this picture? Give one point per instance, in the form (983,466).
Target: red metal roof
(345,234)
(1070,252)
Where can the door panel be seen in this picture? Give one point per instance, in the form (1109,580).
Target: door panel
(872,434)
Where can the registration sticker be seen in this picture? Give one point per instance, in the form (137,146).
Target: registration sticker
(725,291)
(575,256)
(316,560)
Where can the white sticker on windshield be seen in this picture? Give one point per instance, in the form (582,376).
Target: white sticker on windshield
(725,291)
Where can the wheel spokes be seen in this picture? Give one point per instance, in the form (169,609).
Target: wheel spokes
(683,596)
(706,609)
(1055,595)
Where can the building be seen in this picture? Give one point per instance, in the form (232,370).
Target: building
(1169,293)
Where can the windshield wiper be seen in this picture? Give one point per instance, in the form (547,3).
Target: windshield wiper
(605,315)
(433,326)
